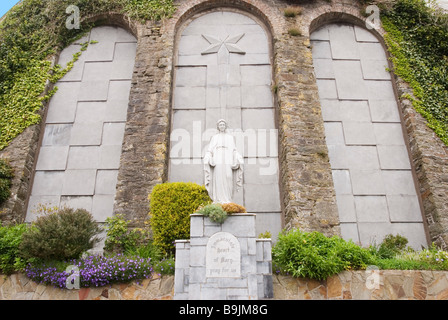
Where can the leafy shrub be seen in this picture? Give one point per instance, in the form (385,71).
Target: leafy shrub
(214,211)
(60,235)
(10,239)
(390,246)
(120,238)
(6,174)
(170,207)
(313,255)
(233,208)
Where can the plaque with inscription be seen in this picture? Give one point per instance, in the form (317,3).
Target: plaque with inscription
(223,256)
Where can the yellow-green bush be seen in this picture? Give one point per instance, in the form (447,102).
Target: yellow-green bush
(170,207)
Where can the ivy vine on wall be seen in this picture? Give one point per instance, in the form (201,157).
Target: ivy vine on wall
(417,38)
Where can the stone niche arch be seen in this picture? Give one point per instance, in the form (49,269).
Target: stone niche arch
(82,132)
(377,191)
(223,68)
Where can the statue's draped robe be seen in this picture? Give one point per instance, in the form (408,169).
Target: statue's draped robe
(227,172)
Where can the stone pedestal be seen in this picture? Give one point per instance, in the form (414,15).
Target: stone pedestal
(223,261)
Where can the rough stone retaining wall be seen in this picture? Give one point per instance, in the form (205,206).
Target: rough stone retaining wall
(348,285)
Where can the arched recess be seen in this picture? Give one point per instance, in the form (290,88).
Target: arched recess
(83,128)
(223,69)
(376,189)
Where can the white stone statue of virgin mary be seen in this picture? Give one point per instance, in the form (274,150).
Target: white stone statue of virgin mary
(223,166)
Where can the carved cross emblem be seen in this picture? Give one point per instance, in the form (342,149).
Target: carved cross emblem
(229,42)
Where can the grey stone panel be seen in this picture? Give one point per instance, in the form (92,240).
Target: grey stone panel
(367,182)
(78,182)
(97,71)
(109,157)
(399,182)
(414,232)
(52,158)
(119,90)
(343,42)
(83,157)
(93,90)
(191,76)
(102,207)
(380,90)
(257,97)
(257,75)
(327,89)
(113,133)
(342,182)
(101,51)
(271,222)
(262,197)
(372,51)
(62,106)
(77,202)
(323,68)
(320,34)
(389,134)
(258,119)
(86,134)
(349,231)
(122,70)
(321,49)
(359,133)
(106,181)
(77,71)
(116,110)
(57,134)
(345,110)
(250,58)
(362,35)
(189,98)
(334,133)
(263,171)
(349,80)
(394,157)
(232,116)
(373,233)
(404,208)
(375,70)
(125,51)
(384,111)
(35,204)
(186,172)
(346,207)
(47,183)
(90,112)
(371,209)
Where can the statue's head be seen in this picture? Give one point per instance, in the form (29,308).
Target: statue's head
(221,125)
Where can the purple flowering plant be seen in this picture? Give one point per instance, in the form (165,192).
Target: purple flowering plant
(94,271)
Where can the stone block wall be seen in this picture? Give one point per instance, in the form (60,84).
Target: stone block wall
(348,285)
(199,274)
